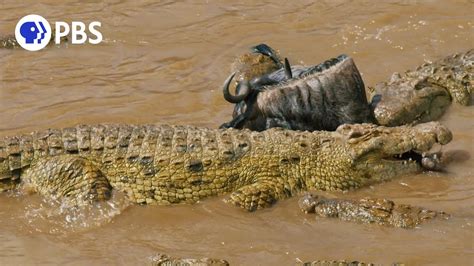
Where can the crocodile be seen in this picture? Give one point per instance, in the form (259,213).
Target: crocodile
(165,260)
(319,97)
(424,94)
(162,164)
(369,210)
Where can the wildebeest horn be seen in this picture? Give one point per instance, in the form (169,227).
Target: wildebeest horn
(243,91)
(288,72)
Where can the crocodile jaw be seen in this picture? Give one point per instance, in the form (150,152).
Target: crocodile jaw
(382,153)
(382,169)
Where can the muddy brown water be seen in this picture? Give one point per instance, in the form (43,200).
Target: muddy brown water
(165,62)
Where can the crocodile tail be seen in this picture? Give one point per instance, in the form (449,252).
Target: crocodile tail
(18,152)
(10,162)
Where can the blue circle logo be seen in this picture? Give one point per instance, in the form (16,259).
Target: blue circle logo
(33,32)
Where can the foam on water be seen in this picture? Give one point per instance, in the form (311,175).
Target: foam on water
(58,217)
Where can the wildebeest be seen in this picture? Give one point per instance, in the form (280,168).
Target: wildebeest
(320,97)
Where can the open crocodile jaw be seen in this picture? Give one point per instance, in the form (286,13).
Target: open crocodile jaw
(383,152)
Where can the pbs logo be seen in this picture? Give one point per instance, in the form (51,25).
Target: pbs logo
(33,32)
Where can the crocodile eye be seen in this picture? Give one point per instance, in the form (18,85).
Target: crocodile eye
(303,144)
(422,83)
(354,134)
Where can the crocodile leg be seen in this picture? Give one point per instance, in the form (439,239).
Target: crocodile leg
(259,195)
(72,177)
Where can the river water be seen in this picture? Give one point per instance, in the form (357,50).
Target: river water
(165,61)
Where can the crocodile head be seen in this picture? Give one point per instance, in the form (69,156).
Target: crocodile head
(424,94)
(406,101)
(382,153)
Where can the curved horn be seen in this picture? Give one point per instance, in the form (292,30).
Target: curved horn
(288,72)
(243,91)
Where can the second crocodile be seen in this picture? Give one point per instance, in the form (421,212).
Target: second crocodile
(424,94)
(368,210)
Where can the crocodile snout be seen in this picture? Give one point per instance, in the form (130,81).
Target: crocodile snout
(442,133)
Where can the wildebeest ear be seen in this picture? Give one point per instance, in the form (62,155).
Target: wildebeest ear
(288,73)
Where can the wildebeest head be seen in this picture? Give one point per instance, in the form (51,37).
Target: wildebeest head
(260,61)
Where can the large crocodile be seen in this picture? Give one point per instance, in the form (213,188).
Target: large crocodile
(165,260)
(159,164)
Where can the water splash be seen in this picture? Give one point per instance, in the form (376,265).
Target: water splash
(59,217)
